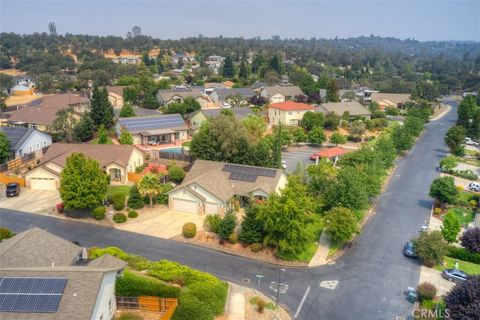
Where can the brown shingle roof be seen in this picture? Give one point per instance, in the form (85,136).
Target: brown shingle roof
(44,110)
(37,248)
(288,91)
(103,153)
(395,98)
(339,108)
(116,89)
(107,261)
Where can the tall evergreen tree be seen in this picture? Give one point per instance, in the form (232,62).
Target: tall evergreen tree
(333,91)
(83,131)
(277,147)
(228,69)
(102,136)
(242,72)
(275,64)
(135,200)
(101,108)
(252,231)
(4,147)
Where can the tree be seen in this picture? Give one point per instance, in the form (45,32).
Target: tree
(341,224)
(102,136)
(311,119)
(3,100)
(299,136)
(316,136)
(242,71)
(448,163)
(402,139)
(284,217)
(82,182)
(4,147)
(413,125)
(430,247)
(135,200)
(83,130)
(275,64)
(101,109)
(321,177)
(443,189)
(176,173)
(471,239)
(450,227)
(357,129)
(454,139)
(466,111)
(125,137)
(332,91)
(331,121)
(227,225)
(255,127)
(62,128)
(127,110)
(150,186)
(228,70)
(52,28)
(349,190)
(6,82)
(338,138)
(463,300)
(386,151)
(251,231)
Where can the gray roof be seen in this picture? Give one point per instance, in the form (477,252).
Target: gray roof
(37,248)
(168,94)
(289,91)
(145,124)
(17,136)
(244,92)
(107,261)
(240,113)
(339,108)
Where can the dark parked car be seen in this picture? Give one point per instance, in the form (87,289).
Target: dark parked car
(409,250)
(13,189)
(454,275)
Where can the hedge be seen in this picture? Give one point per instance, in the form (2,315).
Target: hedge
(190,307)
(463,254)
(189,230)
(134,285)
(133,214)
(114,251)
(98,213)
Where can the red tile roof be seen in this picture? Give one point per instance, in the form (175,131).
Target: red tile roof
(331,152)
(291,106)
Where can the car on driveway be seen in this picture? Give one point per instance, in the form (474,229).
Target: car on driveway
(454,275)
(409,250)
(474,186)
(470,142)
(13,190)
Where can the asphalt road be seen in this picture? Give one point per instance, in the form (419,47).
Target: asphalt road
(371,277)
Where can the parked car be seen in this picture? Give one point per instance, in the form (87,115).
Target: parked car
(409,250)
(454,275)
(284,165)
(471,142)
(13,190)
(474,186)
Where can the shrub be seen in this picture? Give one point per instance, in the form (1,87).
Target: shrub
(233,238)
(259,303)
(463,300)
(137,262)
(426,291)
(189,230)
(133,214)
(135,200)
(119,218)
(471,240)
(189,307)
(211,222)
(5,233)
(118,200)
(341,224)
(176,173)
(114,251)
(133,285)
(430,247)
(463,254)
(443,189)
(227,225)
(256,247)
(98,213)
(437,211)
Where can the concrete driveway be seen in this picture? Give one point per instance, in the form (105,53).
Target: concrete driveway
(161,222)
(31,201)
(435,277)
(459,181)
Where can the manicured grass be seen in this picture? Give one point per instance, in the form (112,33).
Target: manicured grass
(464,197)
(465,266)
(114,189)
(463,215)
(316,228)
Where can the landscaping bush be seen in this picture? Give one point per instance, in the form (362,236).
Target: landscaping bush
(430,247)
(227,225)
(437,211)
(118,200)
(189,230)
(465,174)
(426,291)
(133,214)
(98,213)
(211,222)
(5,233)
(233,238)
(137,262)
(114,251)
(212,293)
(259,303)
(471,240)
(133,285)
(256,247)
(119,218)
(176,173)
(189,307)
(443,189)
(135,200)
(463,254)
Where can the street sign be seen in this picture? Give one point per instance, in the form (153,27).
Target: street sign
(259,277)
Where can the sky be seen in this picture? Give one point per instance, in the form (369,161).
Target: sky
(420,20)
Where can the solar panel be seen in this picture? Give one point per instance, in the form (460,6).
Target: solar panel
(31,294)
(253,171)
(242,177)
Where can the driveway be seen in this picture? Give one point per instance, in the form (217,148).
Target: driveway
(466,166)
(161,222)
(459,181)
(435,277)
(32,201)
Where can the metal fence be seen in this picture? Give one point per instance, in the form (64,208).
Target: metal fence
(158,154)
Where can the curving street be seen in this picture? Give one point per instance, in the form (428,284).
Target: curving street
(366,283)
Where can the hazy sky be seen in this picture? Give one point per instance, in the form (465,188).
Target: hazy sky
(422,20)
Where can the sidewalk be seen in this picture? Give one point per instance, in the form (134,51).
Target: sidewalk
(320,257)
(236,302)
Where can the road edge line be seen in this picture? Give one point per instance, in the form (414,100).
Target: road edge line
(302,302)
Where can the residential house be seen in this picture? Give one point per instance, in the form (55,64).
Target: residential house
(115,160)
(353,108)
(45,277)
(196,118)
(115,96)
(390,100)
(364,95)
(280,93)
(154,130)
(168,96)
(25,140)
(42,112)
(288,113)
(22,86)
(214,63)
(285,80)
(231,97)
(213,187)
(127,60)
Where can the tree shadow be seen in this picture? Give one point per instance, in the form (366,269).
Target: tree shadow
(425,203)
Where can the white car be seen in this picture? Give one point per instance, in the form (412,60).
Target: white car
(226,105)
(471,142)
(284,165)
(474,186)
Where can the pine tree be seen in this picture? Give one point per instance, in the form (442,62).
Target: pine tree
(242,72)
(333,91)
(83,131)
(102,135)
(252,231)
(227,225)
(125,137)
(135,200)
(228,69)
(127,110)
(101,108)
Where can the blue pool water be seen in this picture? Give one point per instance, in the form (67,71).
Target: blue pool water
(173,150)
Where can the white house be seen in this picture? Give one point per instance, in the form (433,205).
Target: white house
(25,140)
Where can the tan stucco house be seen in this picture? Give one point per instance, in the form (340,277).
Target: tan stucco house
(115,160)
(115,96)
(212,187)
(288,113)
(166,97)
(281,93)
(392,100)
(353,108)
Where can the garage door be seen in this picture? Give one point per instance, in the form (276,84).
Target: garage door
(185,205)
(43,184)
(211,208)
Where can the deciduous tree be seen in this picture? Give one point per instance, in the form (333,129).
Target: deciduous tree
(125,137)
(450,227)
(454,139)
(463,300)
(4,147)
(444,189)
(430,247)
(316,135)
(338,138)
(341,224)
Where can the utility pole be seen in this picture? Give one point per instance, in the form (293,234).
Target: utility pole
(278,286)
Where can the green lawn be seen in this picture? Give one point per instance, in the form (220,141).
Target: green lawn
(463,215)
(316,228)
(464,197)
(114,189)
(465,266)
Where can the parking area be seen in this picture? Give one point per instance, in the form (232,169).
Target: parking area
(31,200)
(298,154)
(435,277)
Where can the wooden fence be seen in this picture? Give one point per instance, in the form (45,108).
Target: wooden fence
(13,164)
(5,179)
(165,306)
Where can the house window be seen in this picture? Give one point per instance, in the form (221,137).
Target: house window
(290,113)
(38,146)
(293,122)
(45,143)
(177,135)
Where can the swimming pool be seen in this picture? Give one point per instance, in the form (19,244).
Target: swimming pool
(172,150)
